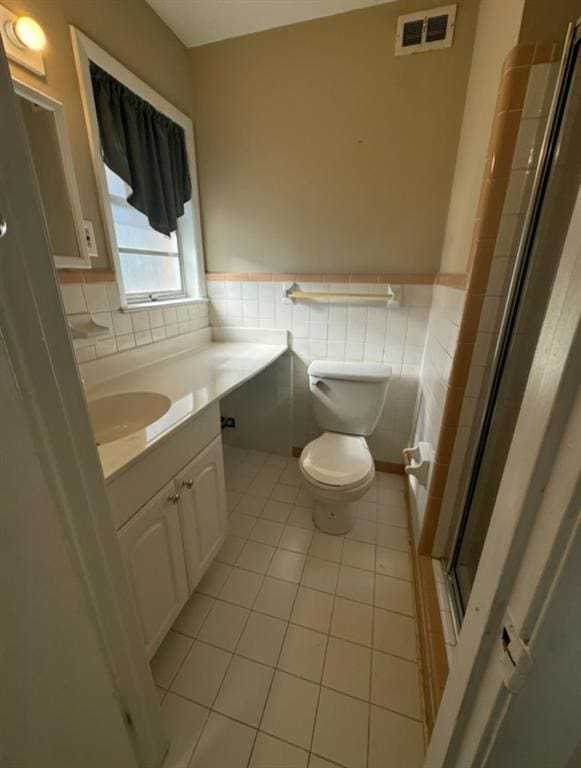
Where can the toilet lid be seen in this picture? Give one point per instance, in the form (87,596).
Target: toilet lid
(338,460)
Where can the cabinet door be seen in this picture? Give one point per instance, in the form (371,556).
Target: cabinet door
(152,548)
(202,509)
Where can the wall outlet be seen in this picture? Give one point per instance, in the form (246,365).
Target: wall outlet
(90,238)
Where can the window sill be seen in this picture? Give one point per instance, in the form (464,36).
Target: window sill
(140,306)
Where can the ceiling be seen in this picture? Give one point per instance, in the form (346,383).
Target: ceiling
(197,22)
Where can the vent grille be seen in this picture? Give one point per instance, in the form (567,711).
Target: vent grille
(425,31)
(437,28)
(412,33)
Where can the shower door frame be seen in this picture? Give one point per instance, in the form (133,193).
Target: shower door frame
(511,309)
(534,530)
(534,525)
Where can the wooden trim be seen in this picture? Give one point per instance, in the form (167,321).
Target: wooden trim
(380,466)
(66,276)
(390,467)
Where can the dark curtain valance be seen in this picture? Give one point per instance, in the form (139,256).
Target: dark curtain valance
(145,148)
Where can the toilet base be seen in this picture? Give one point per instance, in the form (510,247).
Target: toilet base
(335,519)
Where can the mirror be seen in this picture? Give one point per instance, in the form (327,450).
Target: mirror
(44,122)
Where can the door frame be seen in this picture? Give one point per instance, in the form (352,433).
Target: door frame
(528,533)
(33,325)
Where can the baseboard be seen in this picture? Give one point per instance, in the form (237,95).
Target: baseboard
(380,466)
(389,466)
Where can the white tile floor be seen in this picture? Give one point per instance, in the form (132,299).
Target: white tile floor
(298,650)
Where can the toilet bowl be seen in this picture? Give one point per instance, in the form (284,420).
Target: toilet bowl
(337,467)
(338,470)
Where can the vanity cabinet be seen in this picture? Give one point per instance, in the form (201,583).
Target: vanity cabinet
(152,547)
(169,537)
(202,506)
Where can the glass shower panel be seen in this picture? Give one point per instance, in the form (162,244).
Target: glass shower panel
(525,312)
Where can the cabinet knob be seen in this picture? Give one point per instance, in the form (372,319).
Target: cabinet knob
(188,483)
(174,498)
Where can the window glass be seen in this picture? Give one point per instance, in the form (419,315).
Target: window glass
(151,263)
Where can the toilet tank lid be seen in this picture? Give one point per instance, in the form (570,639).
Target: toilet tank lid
(331,369)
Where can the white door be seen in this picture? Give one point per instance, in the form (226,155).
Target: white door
(202,509)
(75,685)
(151,545)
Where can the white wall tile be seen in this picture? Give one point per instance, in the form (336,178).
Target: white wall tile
(528,142)
(156,318)
(96,297)
(508,232)
(170,315)
(128,329)
(84,354)
(539,90)
(233,289)
(73,299)
(250,291)
(333,329)
(519,186)
(143,337)
(140,321)
(113,296)
(122,323)
(216,289)
(104,347)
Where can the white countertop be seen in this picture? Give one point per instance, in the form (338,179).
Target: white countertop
(192,379)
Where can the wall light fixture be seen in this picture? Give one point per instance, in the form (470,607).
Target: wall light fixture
(24,40)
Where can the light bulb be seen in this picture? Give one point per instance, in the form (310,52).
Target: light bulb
(28,33)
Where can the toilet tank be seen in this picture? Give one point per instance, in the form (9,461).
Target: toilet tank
(348,397)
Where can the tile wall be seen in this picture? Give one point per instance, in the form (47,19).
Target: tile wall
(128,329)
(512,156)
(334,329)
(263,410)
(535,112)
(441,343)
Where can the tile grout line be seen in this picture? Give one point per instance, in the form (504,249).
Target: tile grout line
(298,585)
(323,592)
(233,656)
(371,668)
(273,676)
(297,677)
(308,554)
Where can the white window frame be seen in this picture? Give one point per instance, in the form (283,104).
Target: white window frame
(189,228)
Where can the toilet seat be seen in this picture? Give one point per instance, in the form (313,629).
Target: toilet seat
(337,461)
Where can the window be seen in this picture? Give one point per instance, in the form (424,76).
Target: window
(151,263)
(150,266)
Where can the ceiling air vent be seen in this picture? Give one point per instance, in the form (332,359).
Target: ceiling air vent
(425,30)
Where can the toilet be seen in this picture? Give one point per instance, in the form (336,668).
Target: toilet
(337,467)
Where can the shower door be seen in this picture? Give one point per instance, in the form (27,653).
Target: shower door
(546,225)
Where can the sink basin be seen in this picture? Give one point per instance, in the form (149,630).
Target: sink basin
(117,416)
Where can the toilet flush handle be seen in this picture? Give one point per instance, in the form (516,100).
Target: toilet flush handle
(316,382)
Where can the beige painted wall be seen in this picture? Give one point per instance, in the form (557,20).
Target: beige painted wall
(547,20)
(136,36)
(318,150)
(497,33)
